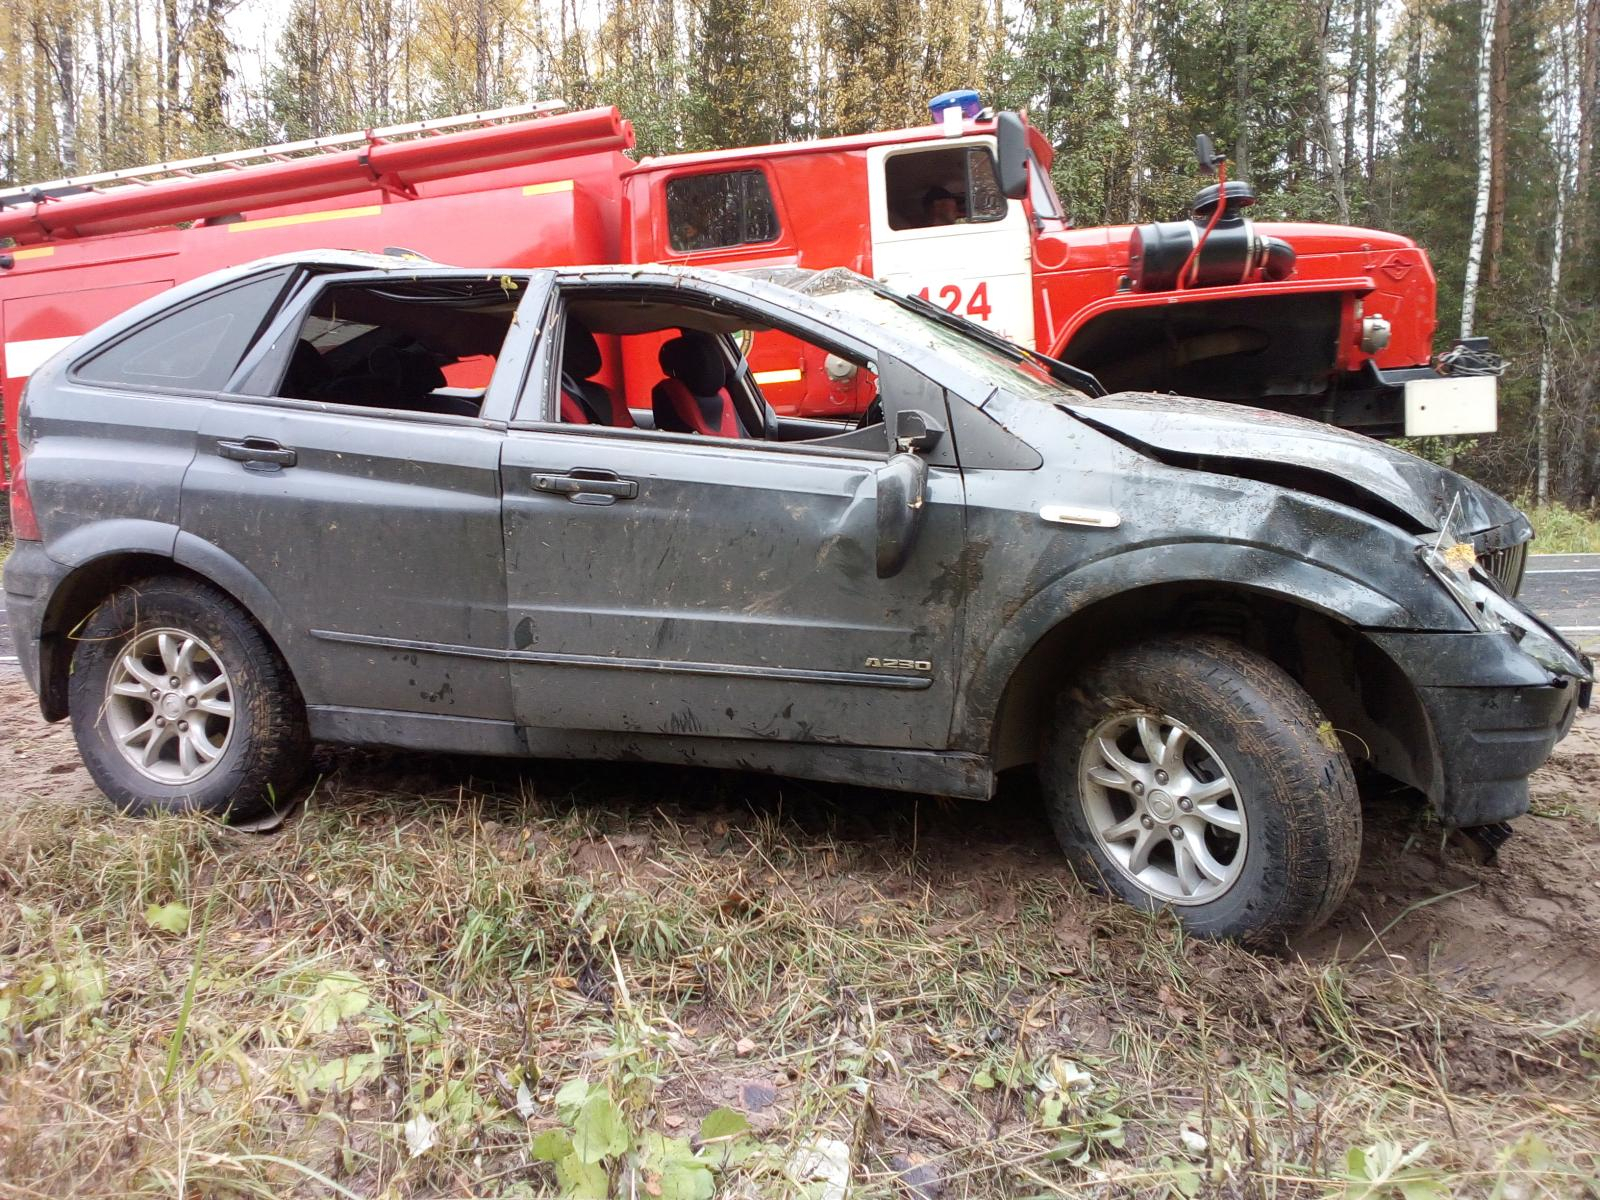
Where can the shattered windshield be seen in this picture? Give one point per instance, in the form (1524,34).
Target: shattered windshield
(845,290)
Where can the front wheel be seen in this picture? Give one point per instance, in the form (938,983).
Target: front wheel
(1190,773)
(180,703)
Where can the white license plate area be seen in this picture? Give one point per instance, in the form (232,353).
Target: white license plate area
(1435,407)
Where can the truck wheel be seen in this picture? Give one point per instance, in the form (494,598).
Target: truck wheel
(1190,773)
(180,704)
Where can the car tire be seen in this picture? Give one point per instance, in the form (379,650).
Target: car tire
(179,703)
(1193,774)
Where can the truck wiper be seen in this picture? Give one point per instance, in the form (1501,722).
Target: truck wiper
(1063,372)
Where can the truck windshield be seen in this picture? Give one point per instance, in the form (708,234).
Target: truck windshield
(924,325)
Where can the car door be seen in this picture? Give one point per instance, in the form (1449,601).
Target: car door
(375,531)
(681,585)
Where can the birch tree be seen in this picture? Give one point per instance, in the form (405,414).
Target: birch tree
(1480,211)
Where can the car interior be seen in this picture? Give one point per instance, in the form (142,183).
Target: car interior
(416,345)
(650,364)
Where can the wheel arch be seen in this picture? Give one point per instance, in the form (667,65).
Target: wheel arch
(95,577)
(1370,704)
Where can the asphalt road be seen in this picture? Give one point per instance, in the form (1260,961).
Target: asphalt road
(1564,589)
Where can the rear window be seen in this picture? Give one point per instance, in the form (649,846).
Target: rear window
(730,208)
(194,348)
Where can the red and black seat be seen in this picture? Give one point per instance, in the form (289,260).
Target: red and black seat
(583,401)
(693,398)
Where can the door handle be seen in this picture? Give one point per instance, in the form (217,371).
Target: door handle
(586,485)
(258,453)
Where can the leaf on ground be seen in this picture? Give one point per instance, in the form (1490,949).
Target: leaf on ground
(723,1123)
(341,1074)
(599,1131)
(421,1135)
(570,1097)
(550,1145)
(337,996)
(826,1161)
(169,918)
(582,1181)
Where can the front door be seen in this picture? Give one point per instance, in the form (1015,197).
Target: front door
(941,229)
(682,584)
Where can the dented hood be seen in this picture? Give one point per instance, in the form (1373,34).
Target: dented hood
(1305,455)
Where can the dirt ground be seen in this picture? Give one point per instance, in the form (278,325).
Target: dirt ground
(1527,923)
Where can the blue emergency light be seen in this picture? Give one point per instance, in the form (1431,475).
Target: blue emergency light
(966,99)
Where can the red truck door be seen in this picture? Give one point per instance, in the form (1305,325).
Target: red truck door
(941,228)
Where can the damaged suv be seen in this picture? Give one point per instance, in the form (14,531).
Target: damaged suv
(368,500)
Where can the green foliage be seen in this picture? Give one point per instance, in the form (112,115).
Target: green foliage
(1388,1171)
(596,1142)
(1558,529)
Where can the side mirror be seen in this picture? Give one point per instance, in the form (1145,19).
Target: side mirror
(916,430)
(1012,136)
(1206,154)
(902,492)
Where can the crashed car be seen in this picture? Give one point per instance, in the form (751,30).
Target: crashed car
(367,500)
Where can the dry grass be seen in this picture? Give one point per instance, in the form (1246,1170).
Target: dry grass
(422,943)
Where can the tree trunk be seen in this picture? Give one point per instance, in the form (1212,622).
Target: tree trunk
(1567,154)
(1331,151)
(1498,116)
(1371,63)
(1241,87)
(1480,211)
(169,83)
(1352,83)
(1588,69)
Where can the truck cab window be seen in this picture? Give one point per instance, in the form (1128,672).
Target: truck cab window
(416,345)
(954,185)
(729,208)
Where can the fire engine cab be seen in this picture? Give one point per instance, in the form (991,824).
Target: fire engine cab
(1325,321)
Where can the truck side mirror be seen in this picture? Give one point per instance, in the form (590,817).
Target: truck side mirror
(1012,136)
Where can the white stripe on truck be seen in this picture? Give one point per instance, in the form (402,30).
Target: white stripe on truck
(24,358)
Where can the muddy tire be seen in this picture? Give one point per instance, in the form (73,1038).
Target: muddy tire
(179,703)
(1190,773)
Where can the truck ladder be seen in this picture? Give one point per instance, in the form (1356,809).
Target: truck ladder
(283,151)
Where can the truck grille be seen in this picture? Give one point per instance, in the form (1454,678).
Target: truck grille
(1506,566)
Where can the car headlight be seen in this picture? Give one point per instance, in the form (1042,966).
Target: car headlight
(1492,611)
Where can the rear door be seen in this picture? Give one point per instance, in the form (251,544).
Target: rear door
(375,529)
(980,266)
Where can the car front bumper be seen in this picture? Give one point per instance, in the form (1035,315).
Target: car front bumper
(1494,715)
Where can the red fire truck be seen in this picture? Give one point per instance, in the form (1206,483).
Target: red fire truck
(1327,321)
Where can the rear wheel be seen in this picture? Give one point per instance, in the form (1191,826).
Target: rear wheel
(1192,774)
(179,703)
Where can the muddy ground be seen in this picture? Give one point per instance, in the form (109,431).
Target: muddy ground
(1527,923)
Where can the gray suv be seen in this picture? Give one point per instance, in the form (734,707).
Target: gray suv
(345,498)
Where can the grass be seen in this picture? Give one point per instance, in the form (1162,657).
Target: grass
(387,997)
(1562,530)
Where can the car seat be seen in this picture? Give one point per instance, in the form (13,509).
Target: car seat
(693,398)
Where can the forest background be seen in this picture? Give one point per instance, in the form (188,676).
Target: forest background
(1466,124)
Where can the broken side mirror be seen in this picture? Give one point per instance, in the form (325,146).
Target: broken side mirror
(916,430)
(902,499)
(1012,155)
